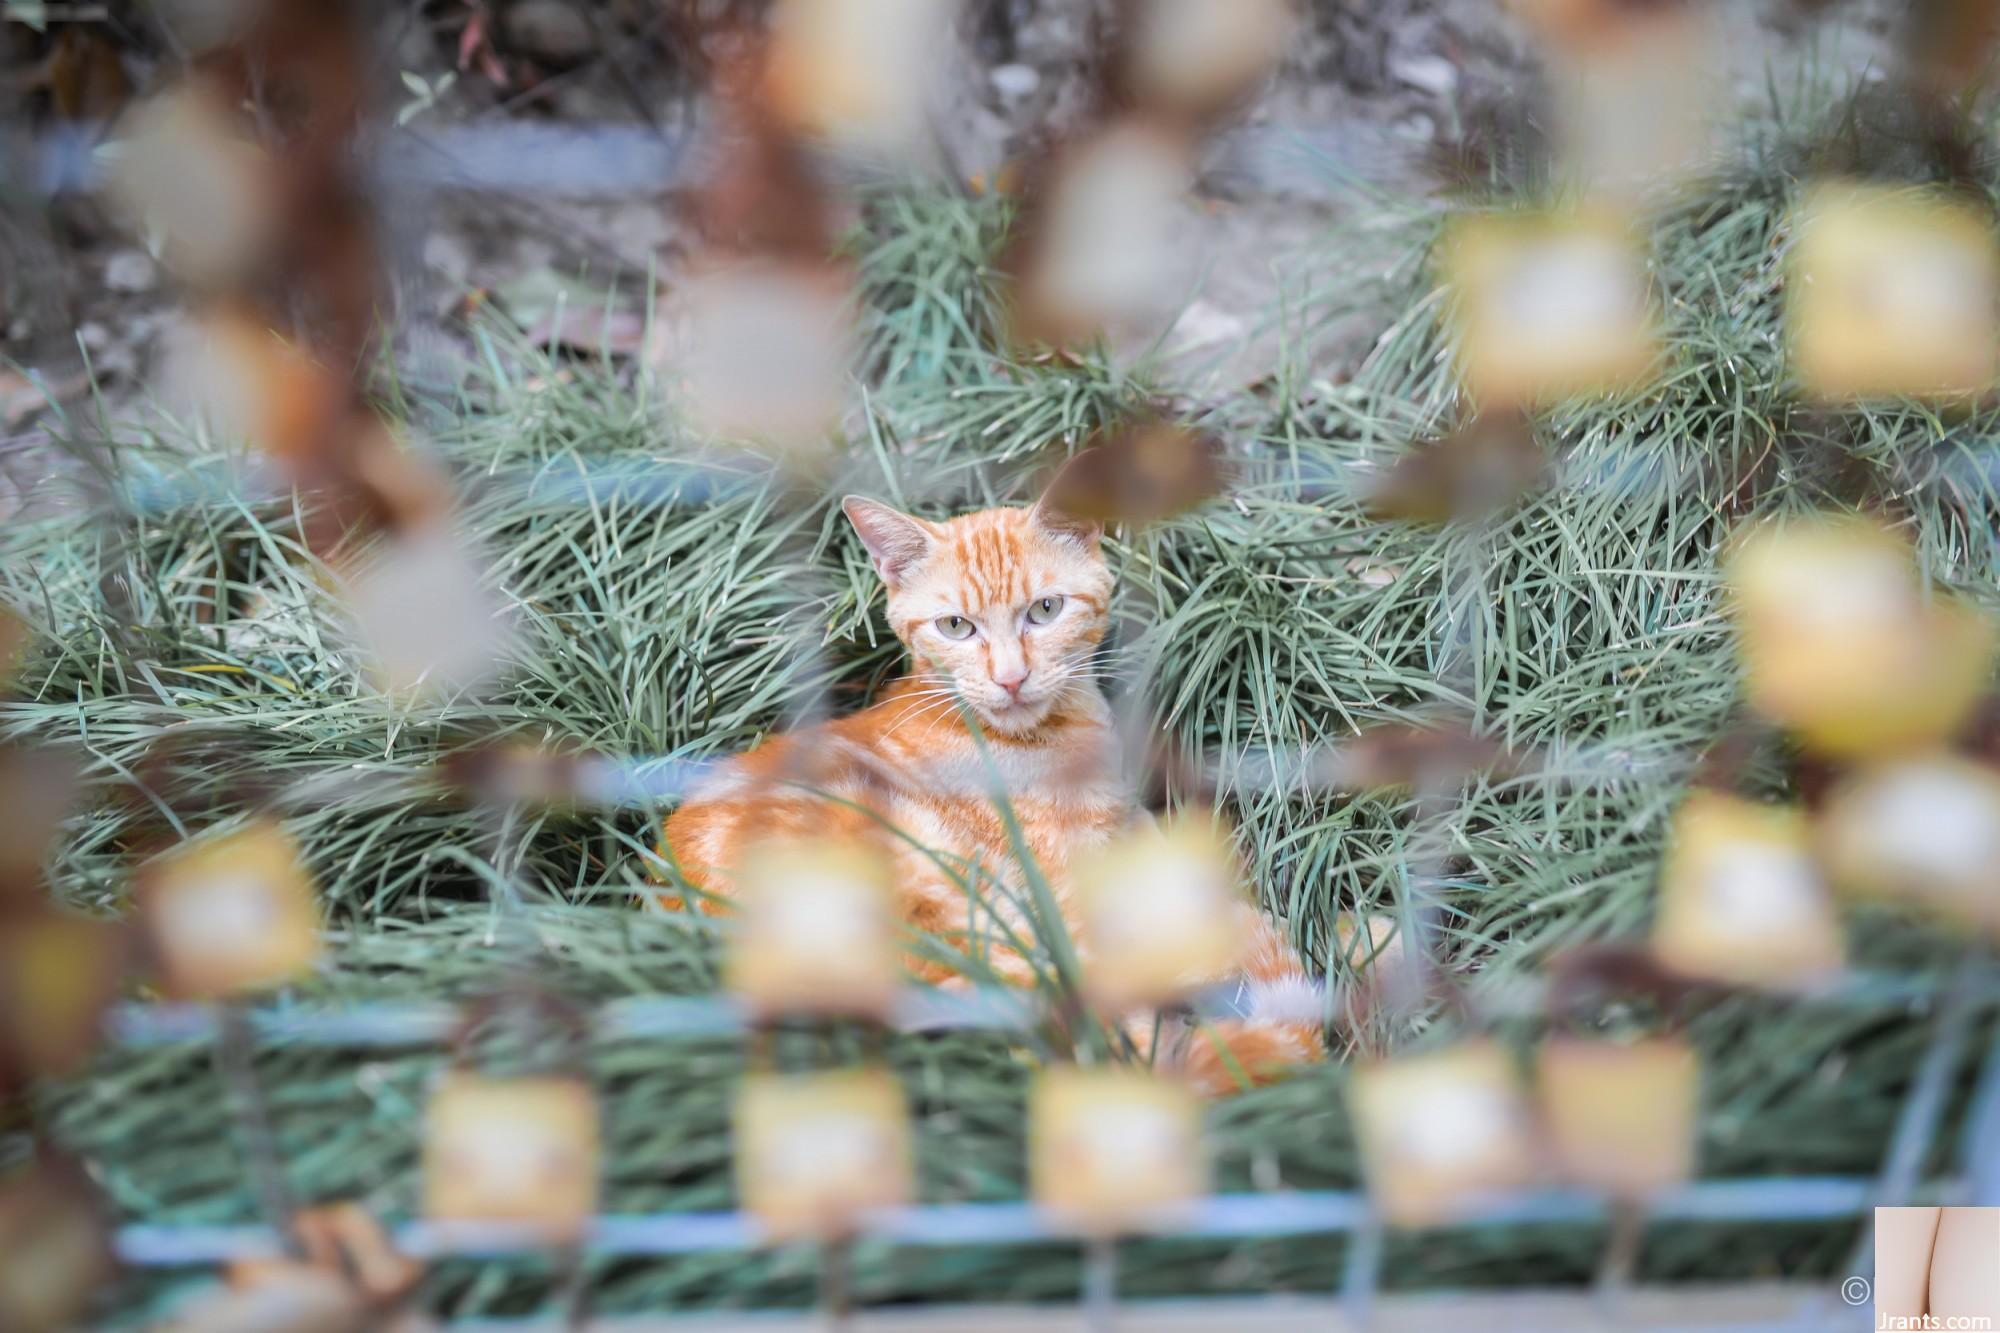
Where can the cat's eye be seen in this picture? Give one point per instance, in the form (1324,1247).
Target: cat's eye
(954,627)
(1044,609)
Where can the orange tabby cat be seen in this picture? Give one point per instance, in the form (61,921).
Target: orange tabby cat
(1004,609)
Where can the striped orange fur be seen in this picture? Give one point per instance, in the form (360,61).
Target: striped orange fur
(1004,612)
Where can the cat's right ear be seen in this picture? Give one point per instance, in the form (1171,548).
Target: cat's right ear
(896,542)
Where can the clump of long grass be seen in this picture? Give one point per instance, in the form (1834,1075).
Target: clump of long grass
(1282,617)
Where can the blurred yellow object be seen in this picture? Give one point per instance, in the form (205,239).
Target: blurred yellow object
(231,915)
(424,616)
(194,185)
(1620,1117)
(1923,831)
(512,1150)
(1840,644)
(1196,57)
(1098,248)
(814,1152)
(1161,912)
(1892,291)
(59,972)
(1438,1131)
(55,1249)
(1631,89)
(856,72)
(1741,899)
(1548,306)
(1368,942)
(1114,1149)
(817,929)
(762,351)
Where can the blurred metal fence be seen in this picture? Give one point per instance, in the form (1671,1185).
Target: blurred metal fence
(1975,1181)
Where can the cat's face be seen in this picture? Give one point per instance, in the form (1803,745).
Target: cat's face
(1007,606)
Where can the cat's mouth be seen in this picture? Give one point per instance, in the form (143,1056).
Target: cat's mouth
(1015,712)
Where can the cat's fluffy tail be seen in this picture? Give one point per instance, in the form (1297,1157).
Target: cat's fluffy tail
(1280,1028)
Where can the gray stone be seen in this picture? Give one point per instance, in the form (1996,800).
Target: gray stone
(131,271)
(1014,82)
(1433,74)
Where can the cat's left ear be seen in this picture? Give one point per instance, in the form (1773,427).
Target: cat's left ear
(1059,519)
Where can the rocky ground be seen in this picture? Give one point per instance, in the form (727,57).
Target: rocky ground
(1380,91)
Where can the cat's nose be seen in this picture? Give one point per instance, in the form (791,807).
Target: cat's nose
(1012,681)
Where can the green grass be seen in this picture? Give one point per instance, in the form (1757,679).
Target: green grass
(673,630)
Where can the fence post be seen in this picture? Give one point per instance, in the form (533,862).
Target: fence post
(1917,1126)
(1981,1152)
(1364,1268)
(1100,1284)
(235,1057)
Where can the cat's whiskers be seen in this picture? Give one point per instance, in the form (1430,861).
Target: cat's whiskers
(920,704)
(926,697)
(1091,659)
(1069,676)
